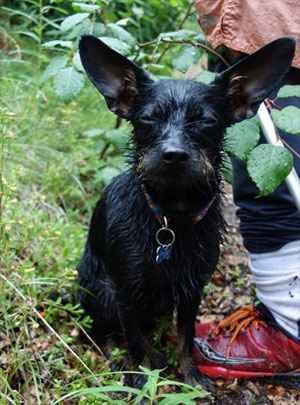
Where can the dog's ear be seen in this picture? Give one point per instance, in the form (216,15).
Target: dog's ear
(252,79)
(116,77)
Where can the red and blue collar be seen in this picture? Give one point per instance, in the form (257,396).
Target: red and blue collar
(160,213)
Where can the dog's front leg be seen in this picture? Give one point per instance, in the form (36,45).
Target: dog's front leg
(132,332)
(186,315)
(134,338)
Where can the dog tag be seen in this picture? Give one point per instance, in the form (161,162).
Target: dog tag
(164,250)
(163,253)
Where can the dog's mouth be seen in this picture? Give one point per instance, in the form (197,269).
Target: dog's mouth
(197,172)
(177,176)
(180,183)
(176,198)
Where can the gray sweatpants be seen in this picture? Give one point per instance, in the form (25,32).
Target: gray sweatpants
(277,277)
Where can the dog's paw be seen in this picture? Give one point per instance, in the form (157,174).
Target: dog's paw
(157,359)
(194,378)
(140,380)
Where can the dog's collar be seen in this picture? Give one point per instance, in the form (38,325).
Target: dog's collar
(160,213)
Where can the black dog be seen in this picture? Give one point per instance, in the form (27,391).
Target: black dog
(154,237)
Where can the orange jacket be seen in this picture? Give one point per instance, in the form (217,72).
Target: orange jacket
(247,25)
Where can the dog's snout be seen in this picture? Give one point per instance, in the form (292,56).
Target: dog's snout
(175,155)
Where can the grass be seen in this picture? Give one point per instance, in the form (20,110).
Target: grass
(55,160)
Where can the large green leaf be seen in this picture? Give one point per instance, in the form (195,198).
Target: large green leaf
(289,91)
(117,137)
(241,138)
(73,20)
(185,58)
(268,166)
(119,32)
(55,64)
(288,119)
(68,83)
(206,77)
(106,174)
(119,46)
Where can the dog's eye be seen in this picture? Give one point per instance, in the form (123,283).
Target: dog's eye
(209,121)
(149,120)
(204,121)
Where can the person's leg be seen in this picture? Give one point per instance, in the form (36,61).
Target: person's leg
(263,339)
(277,278)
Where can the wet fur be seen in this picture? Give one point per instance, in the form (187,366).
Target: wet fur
(123,289)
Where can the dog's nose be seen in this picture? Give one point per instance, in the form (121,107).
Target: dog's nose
(175,155)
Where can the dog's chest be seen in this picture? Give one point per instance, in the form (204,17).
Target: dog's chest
(162,285)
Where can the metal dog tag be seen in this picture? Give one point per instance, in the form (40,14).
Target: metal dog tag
(163,253)
(164,250)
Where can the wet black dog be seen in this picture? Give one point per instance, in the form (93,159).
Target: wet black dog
(154,237)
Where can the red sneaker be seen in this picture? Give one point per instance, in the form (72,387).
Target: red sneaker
(248,344)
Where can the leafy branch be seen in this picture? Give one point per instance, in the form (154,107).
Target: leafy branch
(187,42)
(241,139)
(188,14)
(267,165)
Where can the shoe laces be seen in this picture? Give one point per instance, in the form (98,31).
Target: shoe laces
(240,319)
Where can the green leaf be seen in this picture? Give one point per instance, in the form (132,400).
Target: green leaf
(118,162)
(80,29)
(122,34)
(181,398)
(117,45)
(289,91)
(55,64)
(178,35)
(138,11)
(85,7)
(241,138)
(185,58)
(17,12)
(68,83)
(268,166)
(73,20)
(159,69)
(288,119)
(206,77)
(99,29)
(53,44)
(93,132)
(29,34)
(117,138)
(106,174)
(77,62)
(201,38)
